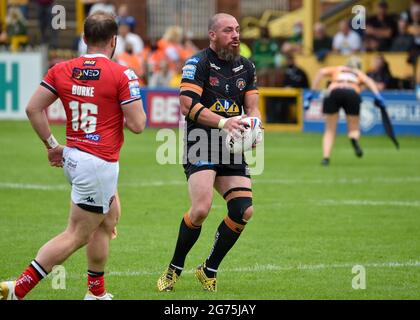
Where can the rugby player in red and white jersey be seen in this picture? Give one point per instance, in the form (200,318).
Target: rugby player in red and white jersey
(97,95)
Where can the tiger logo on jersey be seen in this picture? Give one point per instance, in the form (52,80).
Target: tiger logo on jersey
(226,106)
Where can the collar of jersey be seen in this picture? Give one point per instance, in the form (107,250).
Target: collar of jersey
(95,55)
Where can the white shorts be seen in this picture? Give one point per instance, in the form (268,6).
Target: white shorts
(93,180)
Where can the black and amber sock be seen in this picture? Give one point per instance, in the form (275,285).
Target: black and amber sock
(187,237)
(226,236)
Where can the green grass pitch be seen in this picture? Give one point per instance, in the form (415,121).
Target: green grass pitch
(311,224)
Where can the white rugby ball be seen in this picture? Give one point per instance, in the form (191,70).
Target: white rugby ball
(238,142)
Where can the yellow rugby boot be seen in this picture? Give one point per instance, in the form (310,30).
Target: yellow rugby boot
(209,284)
(167,280)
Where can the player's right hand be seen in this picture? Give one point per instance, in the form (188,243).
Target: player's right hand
(55,156)
(235,124)
(307,98)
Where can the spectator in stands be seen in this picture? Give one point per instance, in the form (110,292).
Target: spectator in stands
(81,46)
(189,47)
(3,37)
(381,74)
(175,81)
(172,46)
(132,61)
(264,50)
(371,43)
(294,77)
(87,5)
(105,5)
(382,27)
(346,41)
(22,4)
(322,44)
(296,40)
(124,37)
(152,56)
(162,77)
(414,30)
(404,42)
(48,34)
(16,24)
(414,27)
(406,15)
(124,18)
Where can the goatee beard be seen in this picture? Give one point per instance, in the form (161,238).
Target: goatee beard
(228,54)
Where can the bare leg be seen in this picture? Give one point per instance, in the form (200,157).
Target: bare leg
(79,230)
(353,129)
(200,186)
(97,249)
(329,134)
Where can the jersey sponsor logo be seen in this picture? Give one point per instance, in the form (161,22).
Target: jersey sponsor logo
(134,88)
(188,72)
(226,106)
(237,69)
(214,81)
(202,163)
(89,62)
(89,200)
(193,60)
(93,137)
(86,74)
(131,75)
(240,84)
(212,65)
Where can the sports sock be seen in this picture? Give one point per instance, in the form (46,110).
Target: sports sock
(187,237)
(96,282)
(29,279)
(356,146)
(227,234)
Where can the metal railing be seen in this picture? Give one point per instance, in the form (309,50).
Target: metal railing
(191,15)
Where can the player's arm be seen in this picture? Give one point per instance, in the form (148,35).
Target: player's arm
(135,116)
(251,94)
(35,110)
(196,112)
(251,105)
(324,72)
(379,101)
(369,82)
(131,102)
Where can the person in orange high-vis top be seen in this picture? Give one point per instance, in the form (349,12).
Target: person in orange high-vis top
(132,61)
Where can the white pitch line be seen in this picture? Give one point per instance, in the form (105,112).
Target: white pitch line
(164,183)
(32,186)
(370,203)
(269,267)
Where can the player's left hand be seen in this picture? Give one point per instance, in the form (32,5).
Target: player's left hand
(55,156)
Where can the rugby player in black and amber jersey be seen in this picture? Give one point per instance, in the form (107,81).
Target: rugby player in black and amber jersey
(218,85)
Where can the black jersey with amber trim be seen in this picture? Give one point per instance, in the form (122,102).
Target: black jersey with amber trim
(222,85)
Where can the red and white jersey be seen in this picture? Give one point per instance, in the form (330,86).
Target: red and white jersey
(92,89)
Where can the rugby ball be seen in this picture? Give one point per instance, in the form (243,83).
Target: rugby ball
(238,142)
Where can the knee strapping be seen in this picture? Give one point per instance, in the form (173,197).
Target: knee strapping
(238,200)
